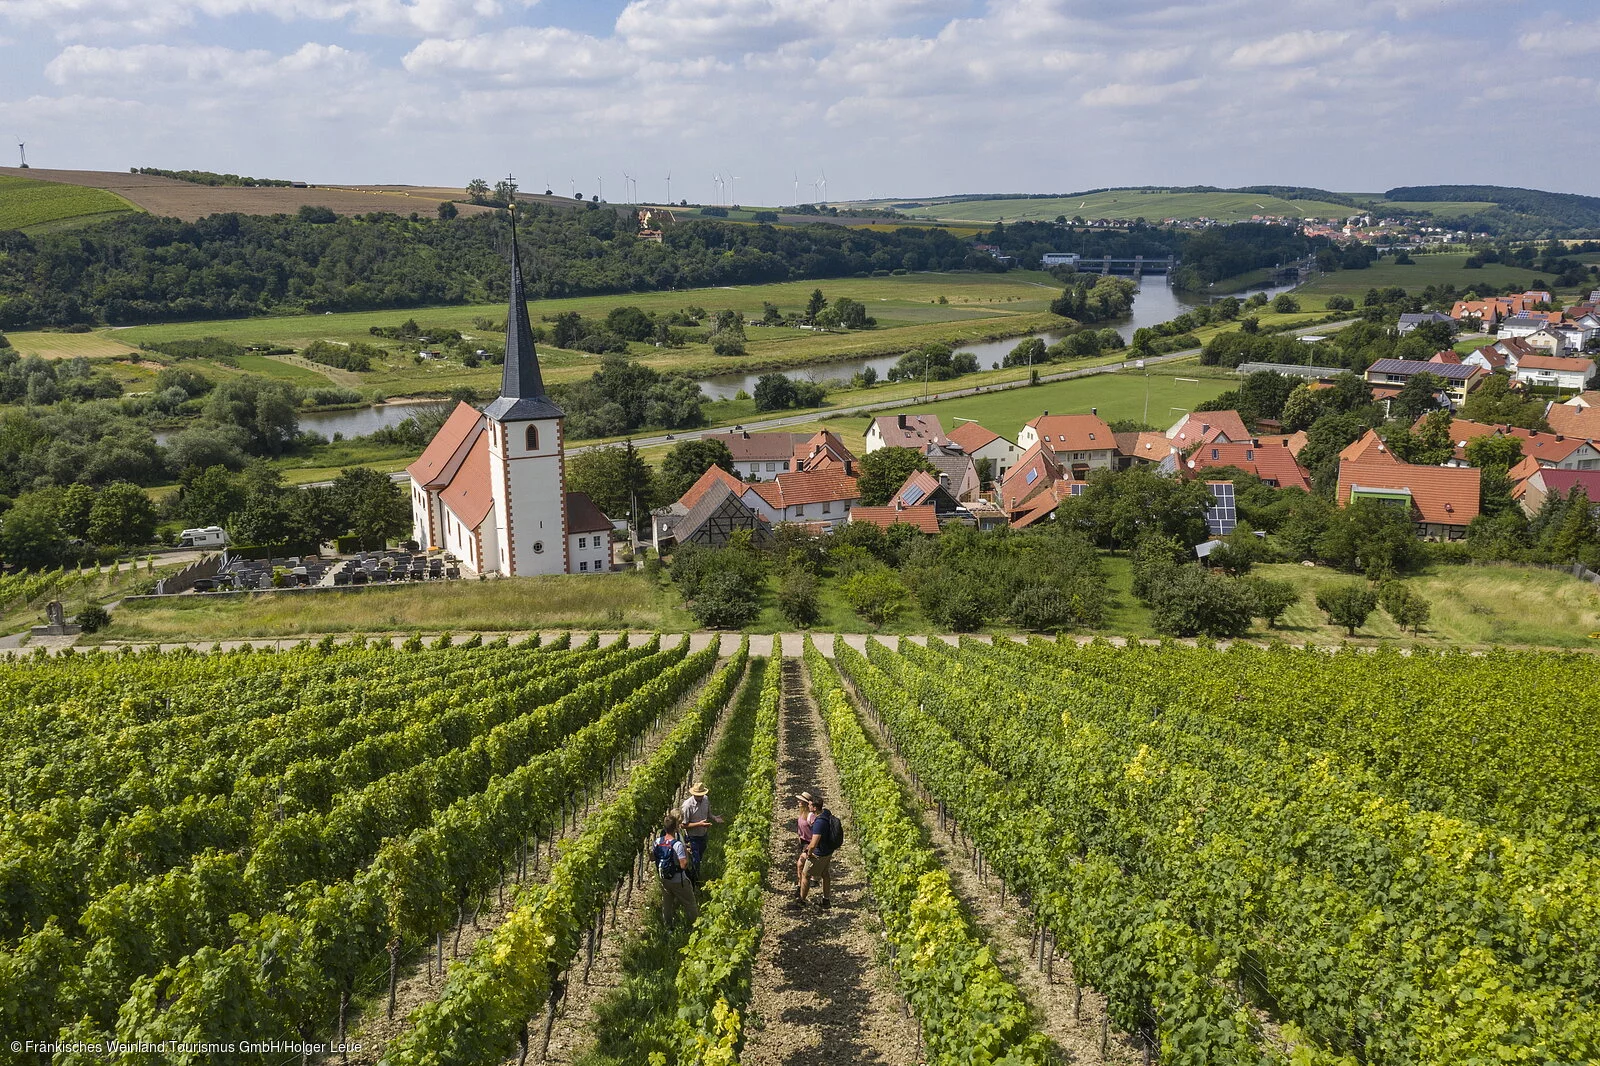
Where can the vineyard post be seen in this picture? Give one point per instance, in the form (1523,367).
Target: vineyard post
(1105,1032)
(394,962)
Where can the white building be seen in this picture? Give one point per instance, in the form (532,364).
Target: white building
(490,488)
(904,431)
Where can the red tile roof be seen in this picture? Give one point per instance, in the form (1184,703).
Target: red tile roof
(922,517)
(1294,442)
(713,476)
(1041,506)
(1545,447)
(442,457)
(909,431)
(1272,464)
(1491,355)
(822,449)
(1574,421)
(1018,487)
(1198,424)
(468,495)
(583,516)
(795,488)
(1443,495)
(747,447)
(1563,363)
(1074,433)
(1368,446)
(972,436)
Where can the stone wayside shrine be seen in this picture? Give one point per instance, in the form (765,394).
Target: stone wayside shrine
(491,487)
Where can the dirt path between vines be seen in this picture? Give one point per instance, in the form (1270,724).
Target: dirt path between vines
(416,985)
(821,991)
(1074,1024)
(574,1028)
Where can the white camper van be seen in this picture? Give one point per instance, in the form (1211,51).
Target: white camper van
(205,537)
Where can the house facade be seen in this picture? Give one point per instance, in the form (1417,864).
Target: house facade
(982,443)
(904,431)
(1080,443)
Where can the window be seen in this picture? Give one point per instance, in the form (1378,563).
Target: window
(1215,454)
(533,438)
(583,542)
(583,566)
(538,546)
(800,510)
(771,467)
(827,507)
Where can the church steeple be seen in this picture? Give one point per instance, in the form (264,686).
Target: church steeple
(522,394)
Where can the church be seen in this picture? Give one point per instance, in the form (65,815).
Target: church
(491,487)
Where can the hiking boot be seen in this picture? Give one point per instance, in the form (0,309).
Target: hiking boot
(795,903)
(824,902)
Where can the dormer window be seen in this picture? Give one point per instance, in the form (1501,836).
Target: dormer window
(533,438)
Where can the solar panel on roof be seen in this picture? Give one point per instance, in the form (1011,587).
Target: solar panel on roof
(912,495)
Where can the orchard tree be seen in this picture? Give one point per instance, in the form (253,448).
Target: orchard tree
(687,461)
(615,478)
(1347,605)
(122,516)
(885,470)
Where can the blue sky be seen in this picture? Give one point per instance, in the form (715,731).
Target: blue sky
(895,98)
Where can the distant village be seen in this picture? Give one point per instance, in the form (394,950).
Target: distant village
(985,478)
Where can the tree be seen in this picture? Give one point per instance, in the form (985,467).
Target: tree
(30,534)
(874,593)
(686,462)
(797,598)
(1347,604)
(76,504)
(1269,598)
(852,313)
(207,497)
(122,516)
(265,410)
(1416,397)
(1284,304)
(1495,451)
(724,601)
(815,304)
(774,392)
(615,478)
(1408,608)
(1494,402)
(375,506)
(477,190)
(1190,601)
(448,210)
(1374,537)
(885,470)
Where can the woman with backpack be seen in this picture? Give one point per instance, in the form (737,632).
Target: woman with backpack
(827,836)
(671,857)
(803,838)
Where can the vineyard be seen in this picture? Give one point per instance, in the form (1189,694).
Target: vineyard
(1250,856)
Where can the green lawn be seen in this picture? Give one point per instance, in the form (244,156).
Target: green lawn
(26,202)
(1445,268)
(1151,204)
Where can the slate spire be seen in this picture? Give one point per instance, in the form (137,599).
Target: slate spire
(521,378)
(522,394)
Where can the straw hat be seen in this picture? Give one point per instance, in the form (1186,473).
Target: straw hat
(699,789)
(806,797)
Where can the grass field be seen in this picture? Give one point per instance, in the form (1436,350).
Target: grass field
(1151,204)
(49,344)
(28,202)
(1445,268)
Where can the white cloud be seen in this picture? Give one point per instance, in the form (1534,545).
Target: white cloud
(1289,48)
(79,65)
(527,55)
(74,19)
(1567,39)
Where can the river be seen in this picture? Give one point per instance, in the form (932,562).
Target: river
(1156,302)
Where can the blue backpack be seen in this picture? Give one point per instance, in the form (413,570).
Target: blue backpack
(665,857)
(829,832)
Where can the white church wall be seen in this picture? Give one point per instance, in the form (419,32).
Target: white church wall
(529,499)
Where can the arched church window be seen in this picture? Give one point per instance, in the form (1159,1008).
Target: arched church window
(533,438)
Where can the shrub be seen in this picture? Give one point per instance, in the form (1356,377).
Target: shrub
(1347,605)
(724,601)
(92,619)
(875,594)
(1191,601)
(1043,609)
(797,598)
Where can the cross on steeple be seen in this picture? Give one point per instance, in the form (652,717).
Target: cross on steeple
(522,392)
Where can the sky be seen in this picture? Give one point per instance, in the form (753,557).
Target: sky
(885,98)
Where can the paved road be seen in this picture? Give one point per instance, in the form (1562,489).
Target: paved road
(889,405)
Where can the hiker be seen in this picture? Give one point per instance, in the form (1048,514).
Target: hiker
(697,822)
(827,835)
(671,858)
(802,824)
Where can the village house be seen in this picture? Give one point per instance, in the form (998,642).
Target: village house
(708,514)
(1199,427)
(1409,322)
(1080,443)
(982,443)
(1577,417)
(1532,491)
(1441,500)
(904,431)
(1275,466)
(760,456)
(1392,374)
(820,498)
(1561,372)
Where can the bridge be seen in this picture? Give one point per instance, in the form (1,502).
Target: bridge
(1136,266)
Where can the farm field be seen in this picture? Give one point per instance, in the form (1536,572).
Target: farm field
(1151,204)
(171,198)
(27,202)
(1052,852)
(1444,268)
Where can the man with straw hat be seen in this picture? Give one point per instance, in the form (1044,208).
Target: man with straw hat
(697,821)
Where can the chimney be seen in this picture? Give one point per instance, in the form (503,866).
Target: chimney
(900,420)
(1095,411)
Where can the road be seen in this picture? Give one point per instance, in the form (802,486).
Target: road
(802,418)
(948,394)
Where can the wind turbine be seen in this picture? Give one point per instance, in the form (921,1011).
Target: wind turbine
(22,150)
(732,195)
(797,188)
(625,180)
(824,188)
(602,183)
(669,188)
(574,187)
(718,179)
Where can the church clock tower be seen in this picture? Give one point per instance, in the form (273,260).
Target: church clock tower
(527,475)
